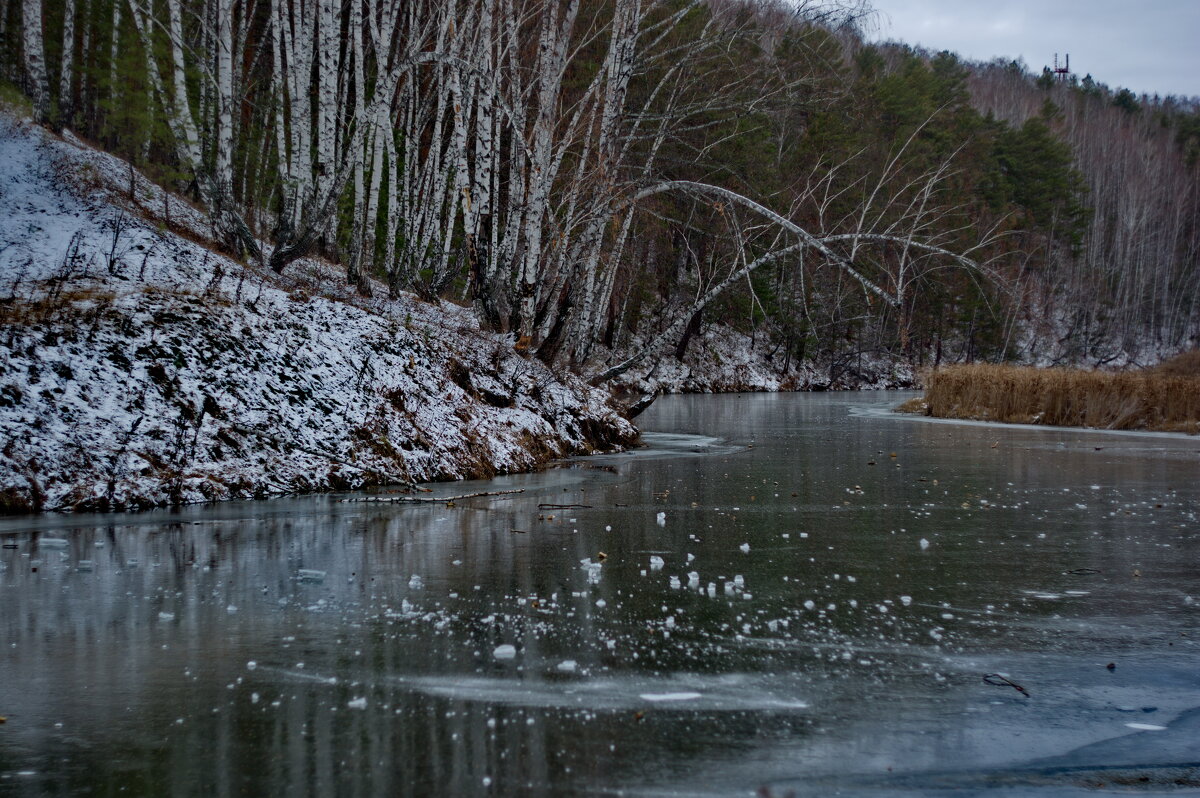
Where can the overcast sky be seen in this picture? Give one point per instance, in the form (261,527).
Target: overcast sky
(1148,46)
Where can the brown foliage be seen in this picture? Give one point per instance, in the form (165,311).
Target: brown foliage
(1186,364)
(1146,400)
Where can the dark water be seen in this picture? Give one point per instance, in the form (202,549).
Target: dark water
(313,647)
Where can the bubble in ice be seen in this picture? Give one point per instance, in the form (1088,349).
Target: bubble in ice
(601,603)
(310,575)
(656,562)
(924,544)
(745,547)
(661,519)
(414,582)
(906,600)
(505,651)
(357,703)
(568,666)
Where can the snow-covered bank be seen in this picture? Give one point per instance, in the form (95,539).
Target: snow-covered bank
(139,368)
(720,359)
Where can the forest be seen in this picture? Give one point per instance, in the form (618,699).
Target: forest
(603,180)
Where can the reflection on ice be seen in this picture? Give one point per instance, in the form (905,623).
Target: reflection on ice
(782,628)
(700,692)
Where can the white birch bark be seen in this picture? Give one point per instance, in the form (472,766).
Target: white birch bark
(113,49)
(224,101)
(327,28)
(33,44)
(551,64)
(66,97)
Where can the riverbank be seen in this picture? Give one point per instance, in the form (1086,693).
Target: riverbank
(1166,398)
(141,368)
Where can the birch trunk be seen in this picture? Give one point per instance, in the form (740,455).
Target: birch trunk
(66,96)
(33,44)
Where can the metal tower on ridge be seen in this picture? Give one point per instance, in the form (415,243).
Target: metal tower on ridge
(1064,71)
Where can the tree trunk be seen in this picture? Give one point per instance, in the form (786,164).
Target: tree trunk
(33,43)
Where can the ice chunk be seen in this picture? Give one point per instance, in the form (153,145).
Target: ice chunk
(505,651)
(670,696)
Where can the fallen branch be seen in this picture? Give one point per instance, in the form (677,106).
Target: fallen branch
(564,506)
(997,680)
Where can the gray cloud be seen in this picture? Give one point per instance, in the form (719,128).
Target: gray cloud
(1149,47)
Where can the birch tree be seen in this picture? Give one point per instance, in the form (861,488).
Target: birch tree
(32,43)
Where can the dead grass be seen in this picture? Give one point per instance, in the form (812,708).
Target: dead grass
(54,305)
(1186,364)
(1147,400)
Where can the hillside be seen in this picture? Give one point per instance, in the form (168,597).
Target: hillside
(140,368)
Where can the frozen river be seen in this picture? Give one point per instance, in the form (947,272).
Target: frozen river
(784,594)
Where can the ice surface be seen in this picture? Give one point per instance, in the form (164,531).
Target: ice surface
(670,696)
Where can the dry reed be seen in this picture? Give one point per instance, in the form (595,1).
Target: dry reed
(1147,400)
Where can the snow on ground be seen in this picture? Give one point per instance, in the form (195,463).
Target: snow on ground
(139,368)
(720,359)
